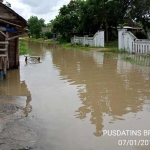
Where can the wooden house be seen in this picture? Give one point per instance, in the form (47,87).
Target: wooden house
(12,26)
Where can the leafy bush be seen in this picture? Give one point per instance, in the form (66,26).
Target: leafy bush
(87,45)
(112,44)
(23,49)
(140,35)
(48,35)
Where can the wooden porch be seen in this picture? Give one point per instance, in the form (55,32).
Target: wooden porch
(11,28)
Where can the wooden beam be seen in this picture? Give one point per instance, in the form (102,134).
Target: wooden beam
(5,66)
(3,55)
(7,15)
(17,36)
(3,34)
(3,50)
(5,42)
(9,23)
(6,52)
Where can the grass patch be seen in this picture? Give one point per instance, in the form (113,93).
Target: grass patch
(61,43)
(41,40)
(23,48)
(113,47)
(111,44)
(75,46)
(109,47)
(114,50)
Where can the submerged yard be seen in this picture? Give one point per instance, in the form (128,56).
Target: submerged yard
(67,101)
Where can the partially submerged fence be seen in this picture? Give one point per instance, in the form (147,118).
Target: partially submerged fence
(131,43)
(96,40)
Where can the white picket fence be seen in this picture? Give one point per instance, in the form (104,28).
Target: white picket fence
(131,43)
(96,41)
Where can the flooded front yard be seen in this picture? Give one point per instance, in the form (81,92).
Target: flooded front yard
(84,100)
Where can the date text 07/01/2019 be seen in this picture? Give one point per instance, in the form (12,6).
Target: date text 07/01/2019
(133,142)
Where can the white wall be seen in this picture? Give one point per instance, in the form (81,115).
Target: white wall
(96,40)
(127,41)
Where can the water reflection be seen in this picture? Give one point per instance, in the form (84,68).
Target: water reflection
(12,87)
(108,86)
(141,60)
(28,107)
(40,49)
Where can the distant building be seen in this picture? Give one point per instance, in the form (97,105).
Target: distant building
(46,29)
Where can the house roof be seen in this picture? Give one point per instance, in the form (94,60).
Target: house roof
(130,27)
(13,19)
(129,24)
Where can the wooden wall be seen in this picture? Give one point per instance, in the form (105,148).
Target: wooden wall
(1,39)
(13,51)
(1,46)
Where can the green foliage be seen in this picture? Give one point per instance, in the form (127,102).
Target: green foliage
(75,46)
(112,44)
(23,49)
(41,40)
(139,9)
(48,35)
(121,25)
(7,3)
(62,41)
(141,35)
(115,50)
(67,20)
(35,26)
(82,17)
(86,17)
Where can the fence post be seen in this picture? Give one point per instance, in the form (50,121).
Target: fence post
(121,38)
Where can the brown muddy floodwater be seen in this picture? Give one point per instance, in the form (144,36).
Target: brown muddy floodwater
(85,100)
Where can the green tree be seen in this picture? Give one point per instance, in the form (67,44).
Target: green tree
(86,17)
(67,20)
(8,4)
(140,12)
(35,26)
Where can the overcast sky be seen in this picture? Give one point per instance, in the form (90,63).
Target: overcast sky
(46,9)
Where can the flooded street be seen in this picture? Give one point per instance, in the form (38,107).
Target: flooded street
(78,96)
